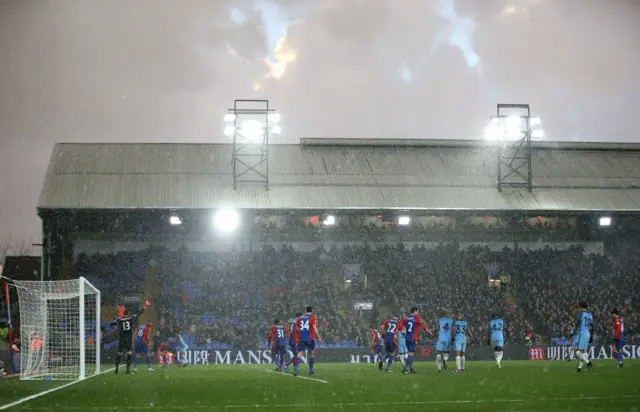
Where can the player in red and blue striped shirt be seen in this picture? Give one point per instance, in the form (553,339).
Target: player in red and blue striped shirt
(278,335)
(292,342)
(411,324)
(306,332)
(618,336)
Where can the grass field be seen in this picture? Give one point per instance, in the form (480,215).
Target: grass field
(518,386)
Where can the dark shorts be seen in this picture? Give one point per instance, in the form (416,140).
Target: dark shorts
(125,343)
(306,346)
(618,344)
(141,348)
(411,346)
(293,347)
(390,347)
(280,350)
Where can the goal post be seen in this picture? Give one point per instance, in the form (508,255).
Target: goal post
(59,329)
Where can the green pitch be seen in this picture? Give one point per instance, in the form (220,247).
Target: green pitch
(518,386)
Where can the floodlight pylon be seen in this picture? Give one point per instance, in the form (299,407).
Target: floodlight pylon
(250,122)
(514,153)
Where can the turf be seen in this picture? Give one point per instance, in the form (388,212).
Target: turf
(518,386)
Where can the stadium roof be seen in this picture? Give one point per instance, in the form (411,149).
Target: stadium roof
(333,174)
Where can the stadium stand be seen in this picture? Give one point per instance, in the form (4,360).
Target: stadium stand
(109,204)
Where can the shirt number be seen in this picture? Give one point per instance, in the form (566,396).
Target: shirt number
(497,327)
(445,327)
(280,333)
(126,326)
(304,325)
(391,328)
(410,327)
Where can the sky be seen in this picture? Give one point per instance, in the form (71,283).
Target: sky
(167,70)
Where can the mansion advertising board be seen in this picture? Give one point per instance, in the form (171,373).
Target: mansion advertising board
(362,355)
(353,355)
(594,352)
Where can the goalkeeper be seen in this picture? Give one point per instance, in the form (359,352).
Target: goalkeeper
(125,340)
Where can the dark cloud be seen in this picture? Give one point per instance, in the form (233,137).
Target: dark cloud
(160,70)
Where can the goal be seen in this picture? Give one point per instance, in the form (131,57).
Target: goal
(59,329)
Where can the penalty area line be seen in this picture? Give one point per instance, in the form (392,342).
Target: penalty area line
(299,377)
(48,391)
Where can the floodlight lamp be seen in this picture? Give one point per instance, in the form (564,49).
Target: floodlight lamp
(605,221)
(491,131)
(226,221)
(229,117)
(229,130)
(535,121)
(276,129)
(252,130)
(329,220)
(404,220)
(175,220)
(514,121)
(273,118)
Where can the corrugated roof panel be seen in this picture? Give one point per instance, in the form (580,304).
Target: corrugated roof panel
(200,176)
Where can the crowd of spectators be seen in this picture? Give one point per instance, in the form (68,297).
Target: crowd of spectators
(551,283)
(225,299)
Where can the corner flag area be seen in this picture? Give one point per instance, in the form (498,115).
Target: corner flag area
(518,386)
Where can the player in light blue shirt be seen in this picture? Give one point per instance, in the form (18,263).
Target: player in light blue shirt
(460,332)
(496,337)
(182,351)
(582,335)
(402,346)
(443,344)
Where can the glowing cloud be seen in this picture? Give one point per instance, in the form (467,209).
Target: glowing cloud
(282,56)
(460,32)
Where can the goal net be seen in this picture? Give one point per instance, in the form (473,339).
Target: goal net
(59,329)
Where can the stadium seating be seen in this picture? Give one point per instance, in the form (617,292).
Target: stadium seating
(221,299)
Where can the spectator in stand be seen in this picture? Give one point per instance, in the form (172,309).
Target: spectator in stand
(230,297)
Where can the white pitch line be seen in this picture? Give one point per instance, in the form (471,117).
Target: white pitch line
(299,377)
(48,391)
(319,405)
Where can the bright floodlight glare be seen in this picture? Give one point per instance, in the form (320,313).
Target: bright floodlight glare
(229,130)
(329,220)
(252,130)
(175,220)
(537,133)
(605,221)
(404,220)
(514,121)
(229,118)
(273,118)
(276,129)
(226,221)
(535,121)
